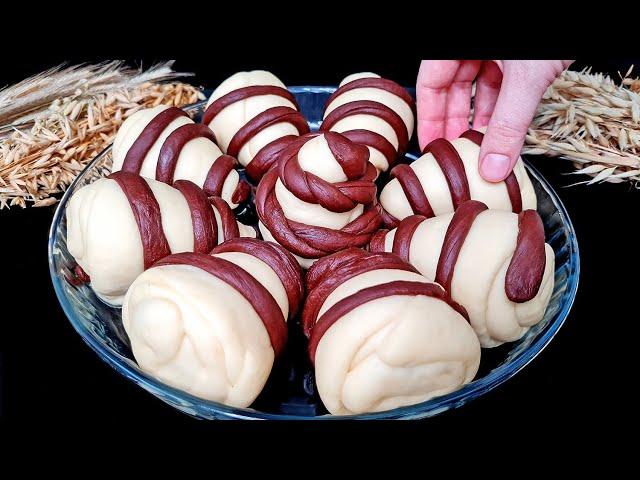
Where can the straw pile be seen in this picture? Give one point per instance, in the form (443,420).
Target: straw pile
(56,122)
(592,121)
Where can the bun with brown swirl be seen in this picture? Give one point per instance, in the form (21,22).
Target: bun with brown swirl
(495,263)
(121,225)
(381,335)
(254,117)
(447,175)
(213,325)
(372,111)
(163,143)
(320,199)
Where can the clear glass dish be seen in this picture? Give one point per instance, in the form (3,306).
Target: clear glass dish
(290,392)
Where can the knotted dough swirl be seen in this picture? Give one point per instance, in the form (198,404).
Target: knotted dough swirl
(320,199)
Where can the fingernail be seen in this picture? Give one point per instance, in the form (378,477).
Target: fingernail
(494,167)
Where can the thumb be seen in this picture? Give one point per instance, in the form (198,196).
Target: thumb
(517,102)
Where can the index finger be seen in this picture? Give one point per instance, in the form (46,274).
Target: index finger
(434,79)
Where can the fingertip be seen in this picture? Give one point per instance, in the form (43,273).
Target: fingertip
(495,167)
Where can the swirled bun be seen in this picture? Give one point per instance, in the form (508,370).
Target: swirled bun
(212,325)
(163,143)
(381,336)
(254,117)
(372,111)
(120,225)
(495,263)
(320,199)
(446,176)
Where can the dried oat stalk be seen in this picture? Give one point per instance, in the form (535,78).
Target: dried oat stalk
(592,121)
(46,142)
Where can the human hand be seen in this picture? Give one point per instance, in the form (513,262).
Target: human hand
(507,95)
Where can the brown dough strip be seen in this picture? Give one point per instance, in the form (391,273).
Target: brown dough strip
(404,236)
(218,172)
(370,107)
(266,119)
(253,291)
(136,154)
(146,211)
(452,167)
(205,228)
(378,240)
(413,190)
(374,82)
(330,272)
(454,238)
(242,94)
(526,268)
(281,262)
(230,227)
(173,145)
(511,182)
(398,287)
(216,176)
(335,197)
(310,241)
(373,140)
(267,157)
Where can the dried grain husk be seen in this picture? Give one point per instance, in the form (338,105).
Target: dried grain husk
(45,145)
(594,122)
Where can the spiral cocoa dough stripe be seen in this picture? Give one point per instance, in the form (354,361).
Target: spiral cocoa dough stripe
(447,175)
(494,263)
(120,225)
(254,117)
(320,199)
(163,143)
(213,325)
(382,336)
(375,112)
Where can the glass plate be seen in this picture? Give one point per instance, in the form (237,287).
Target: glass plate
(290,392)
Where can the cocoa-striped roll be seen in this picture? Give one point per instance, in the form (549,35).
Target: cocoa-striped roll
(213,325)
(121,225)
(447,175)
(381,336)
(495,263)
(375,112)
(163,143)
(254,117)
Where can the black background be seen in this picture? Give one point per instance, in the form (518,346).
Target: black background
(578,384)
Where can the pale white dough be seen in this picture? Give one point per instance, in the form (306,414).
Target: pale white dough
(371,122)
(131,129)
(384,97)
(436,189)
(103,236)
(365,280)
(197,333)
(194,161)
(392,352)
(235,116)
(261,272)
(478,280)
(367,122)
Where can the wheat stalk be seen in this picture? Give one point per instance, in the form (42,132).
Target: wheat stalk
(590,120)
(66,117)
